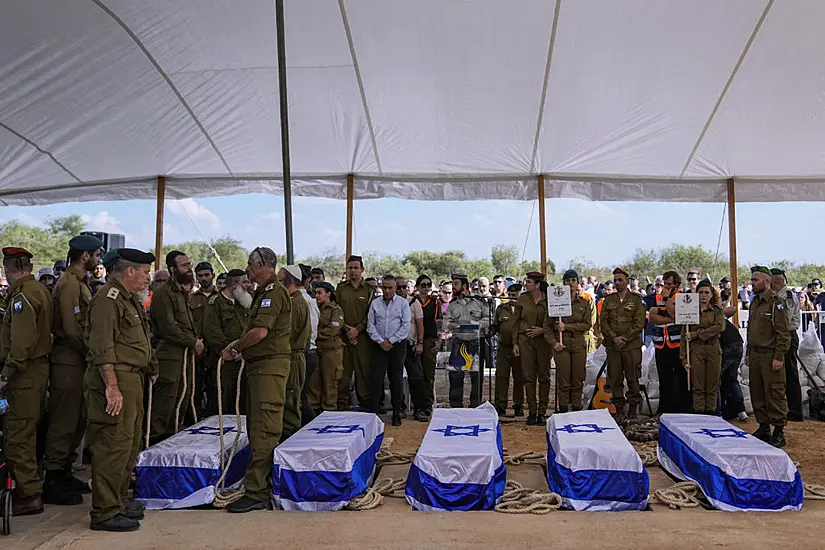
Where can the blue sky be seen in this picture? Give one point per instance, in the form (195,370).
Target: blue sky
(603,232)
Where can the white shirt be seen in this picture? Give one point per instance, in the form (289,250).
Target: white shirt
(314,315)
(389,321)
(416,312)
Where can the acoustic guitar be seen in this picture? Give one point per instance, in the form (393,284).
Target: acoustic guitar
(603,398)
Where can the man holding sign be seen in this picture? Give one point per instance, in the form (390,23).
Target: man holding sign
(571,316)
(622,322)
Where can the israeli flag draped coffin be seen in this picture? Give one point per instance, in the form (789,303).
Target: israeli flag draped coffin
(459,465)
(181,472)
(736,471)
(328,462)
(592,465)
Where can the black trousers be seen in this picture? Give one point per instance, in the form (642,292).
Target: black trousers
(389,363)
(793,389)
(415,377)
(674,396)
(307,414)
(457,379)
(733,402)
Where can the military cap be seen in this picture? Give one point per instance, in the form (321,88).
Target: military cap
(293,270)
(110,257)
(704,283)
(760,269)
(203,265)
(620,271)
(777,271)
(725,279)
(86,243)
(570,274)
(59,264)
(135,256)
(12,252)
(45,272)
(326,286)
(535,276)
(459,277)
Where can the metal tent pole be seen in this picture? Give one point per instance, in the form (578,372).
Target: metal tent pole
(284,98)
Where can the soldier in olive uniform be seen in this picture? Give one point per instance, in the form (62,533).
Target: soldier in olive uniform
(120,359)
(175,331)
(224,321)
(300,334)
(265,346)
(622,322)
(354,297)
(567,337)
(323,386)
(705,361)
(67,420)
(532,349)
(504,324)
(768,342)
(25,345)
(204,376)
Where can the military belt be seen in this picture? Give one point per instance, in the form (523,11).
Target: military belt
(125,367)
(762,349)
(43,360)
(265,357)
(301,351)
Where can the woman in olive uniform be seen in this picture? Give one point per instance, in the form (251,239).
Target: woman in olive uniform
(705,361)
(532,348)
(323,386)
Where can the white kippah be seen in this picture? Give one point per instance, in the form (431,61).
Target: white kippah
(295,271)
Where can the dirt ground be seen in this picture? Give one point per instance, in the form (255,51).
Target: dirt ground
(393,525)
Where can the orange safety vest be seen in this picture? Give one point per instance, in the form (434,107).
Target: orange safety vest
(669,335)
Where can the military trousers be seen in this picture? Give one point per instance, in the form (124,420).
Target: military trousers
(113,440)
(26,393)
(705,375)
(357,361)
(266,395)
(508,364)
(166,393)
(428,362)
(624,365)
(323,385)
(535,355)
(770,405)
(571,369)
(292,403)
(307,413)
(66,415)
(230,387)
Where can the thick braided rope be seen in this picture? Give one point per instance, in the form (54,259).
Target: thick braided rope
(367,500)
(224,498)
(814,492)
(183,393)
(391,487)
(518,500)
(528,457)
(149,412)
(388,458)
(679,496)
(647,454)
(192,395)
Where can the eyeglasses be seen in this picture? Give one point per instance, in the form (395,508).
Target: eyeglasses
(692,279)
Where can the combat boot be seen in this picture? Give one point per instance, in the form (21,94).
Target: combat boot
(117,524)
(541,420)
(531,419)
(75,484)
(27,506)
(133,509)
(619,416)
(518,411)
(632,412)
(56,491)
(778,437)
(763,432)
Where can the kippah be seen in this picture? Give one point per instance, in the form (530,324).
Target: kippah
(294,270)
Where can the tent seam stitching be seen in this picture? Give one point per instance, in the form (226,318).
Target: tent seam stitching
(545,84)
(40,150)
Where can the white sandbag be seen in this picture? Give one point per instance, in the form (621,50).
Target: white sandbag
(650,374)
(810,352)
(654,403)
(805,397)
(595,361)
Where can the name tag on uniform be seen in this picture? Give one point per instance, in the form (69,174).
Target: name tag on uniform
(265,303)
(77,309)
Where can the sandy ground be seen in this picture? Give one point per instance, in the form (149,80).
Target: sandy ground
(394,525)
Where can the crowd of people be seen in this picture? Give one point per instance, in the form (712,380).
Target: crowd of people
(85,343)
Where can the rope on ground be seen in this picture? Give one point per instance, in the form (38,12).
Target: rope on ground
(679,496)
(391,487)
(518,500)
(647,454)
(389,458)
(367,500)
(224,498)
(642,430)
(528,457)
(814,492)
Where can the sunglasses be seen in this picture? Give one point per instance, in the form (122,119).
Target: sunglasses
(445,292)
(426,285)
(692,279)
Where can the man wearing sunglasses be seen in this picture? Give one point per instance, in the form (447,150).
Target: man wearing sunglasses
(693,280)
(431,308)
(499,288)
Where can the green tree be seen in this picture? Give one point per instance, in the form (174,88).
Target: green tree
(69,225)
(504,258)
(230,251)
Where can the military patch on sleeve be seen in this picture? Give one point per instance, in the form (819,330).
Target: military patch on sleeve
(18,306)
(336,324)
(76,309)
(265,303)
(113,293)
(269,287)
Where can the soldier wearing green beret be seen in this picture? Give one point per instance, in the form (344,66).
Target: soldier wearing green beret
(66,419)
(768,341)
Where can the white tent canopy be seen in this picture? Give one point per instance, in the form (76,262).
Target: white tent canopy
(431,99)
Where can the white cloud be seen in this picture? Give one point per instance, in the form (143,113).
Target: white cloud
(102,221)
(207,220)
(25,219)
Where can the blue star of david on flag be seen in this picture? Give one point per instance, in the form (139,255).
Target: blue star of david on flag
(210,430)
(469,431)
(723,432)
(583,429)
(333,429)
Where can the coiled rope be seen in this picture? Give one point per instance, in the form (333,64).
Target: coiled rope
(518,500)
(528,457)
(682,495)
(388,458)
(642,431)
(373,497)
(224,498)
(814,492)
(647,454)
(186,363)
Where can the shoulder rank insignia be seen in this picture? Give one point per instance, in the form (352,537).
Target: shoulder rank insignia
(113,293)
(213,298)
(269,287)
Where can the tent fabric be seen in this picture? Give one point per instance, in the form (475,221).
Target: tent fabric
(639,100)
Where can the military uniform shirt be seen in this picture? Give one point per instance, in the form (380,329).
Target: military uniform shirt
(530,313)
(172,317)
(576,325)
(117,331)
(71,306)
(26,332)
(330,323)
(505,322)
(623,318)
(790,301)
(301,330)
(224,320)
(355,303)
(197,303)
(271,309)
(768,325)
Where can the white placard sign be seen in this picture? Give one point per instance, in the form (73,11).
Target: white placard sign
(558,301)
(687,309)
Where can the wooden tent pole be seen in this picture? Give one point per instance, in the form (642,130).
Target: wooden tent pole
(161,200)
(350,198)
(734,265)
(542,228)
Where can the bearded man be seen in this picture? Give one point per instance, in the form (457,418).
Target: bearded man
(174,329)
(224,319)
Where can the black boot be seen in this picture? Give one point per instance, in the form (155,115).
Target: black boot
(778,437)
(118,524)
(501,411)
(541,420)
(763,432)
(56,491)
(531,419)
(246,504)
(420,416)
(396,419)
(133,509)
(75,484)
(518,411)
